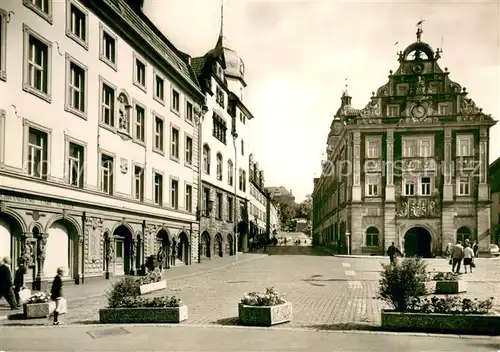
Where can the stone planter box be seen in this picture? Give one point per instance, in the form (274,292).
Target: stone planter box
(143,315)
(265,316)
(451,287)
(38,310)
(444,323)
(155,286)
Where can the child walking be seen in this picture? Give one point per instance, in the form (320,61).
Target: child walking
(56,294)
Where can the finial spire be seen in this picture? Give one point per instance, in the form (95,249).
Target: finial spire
(346,85)
(221,18)
(419,29)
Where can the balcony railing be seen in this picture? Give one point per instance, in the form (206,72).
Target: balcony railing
(419,164)
(418,207)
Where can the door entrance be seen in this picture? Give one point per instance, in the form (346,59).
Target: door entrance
(418,243)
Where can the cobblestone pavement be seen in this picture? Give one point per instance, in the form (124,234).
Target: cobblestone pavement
(326,292)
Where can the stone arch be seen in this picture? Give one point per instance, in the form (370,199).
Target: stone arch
(462,234)
(62,245)
(15,216)
(124,107)
(122,223)
(218,245)
(11,231)
(205,242)
(182,253)
(186,232)
(163,240)
(229,242)
(422,245)
(37,225)
(68,219)
(369,240)
(167,231)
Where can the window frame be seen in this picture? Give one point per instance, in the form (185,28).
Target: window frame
(27,124)
(156,75)
(68,140)
(161,150)
(399,88)
(161,194)
(186,109)
(405,141)
(446,105)
(468,185)
(47,16)
(67,105)
(190,203)
(230,172)
(464,137)
(378,143)
(69,31)
(142,179)
(175,157)
(174,91)
(206,166)
(135,104)
(102,82)
(372,189)
(421,183)
(219,162)
(139,59)
(397,109)
(409,181)
(372,235)
(188,158)
(3,45)
(111,156)
(102,52)
(171,188)
(27,33)
(230,208)
(420,143)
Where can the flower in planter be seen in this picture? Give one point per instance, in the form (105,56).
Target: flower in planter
(269,298)
(151,277)
(38,297)
(155,302)
(450,305)
(446,276)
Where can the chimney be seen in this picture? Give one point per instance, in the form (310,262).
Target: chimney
(188,58)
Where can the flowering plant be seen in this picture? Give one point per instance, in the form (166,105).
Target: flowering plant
(38,297)
(269,298)
(450,305)
(448,276)
(151,277)
(155,302)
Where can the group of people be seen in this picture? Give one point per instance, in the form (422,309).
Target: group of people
(457,253)
(10,289)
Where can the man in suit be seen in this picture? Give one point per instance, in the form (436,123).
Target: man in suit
(6,285)
(457,254)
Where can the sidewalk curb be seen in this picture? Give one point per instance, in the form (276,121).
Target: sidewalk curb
(180,276)
(217,326)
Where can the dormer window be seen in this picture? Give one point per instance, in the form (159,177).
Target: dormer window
(402,89)
(220,97)
(219,71)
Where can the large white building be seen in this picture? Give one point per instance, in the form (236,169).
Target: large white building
(98,139)
(224,153)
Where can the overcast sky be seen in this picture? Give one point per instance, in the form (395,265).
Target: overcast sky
(297,55)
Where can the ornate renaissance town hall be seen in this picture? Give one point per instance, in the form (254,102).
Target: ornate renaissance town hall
(410,167)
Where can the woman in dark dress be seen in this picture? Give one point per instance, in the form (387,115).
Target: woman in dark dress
(56,293)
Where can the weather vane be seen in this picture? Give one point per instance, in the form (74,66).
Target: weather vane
(419,29)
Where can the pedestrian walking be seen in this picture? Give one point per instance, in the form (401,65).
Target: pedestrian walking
(392,251)
(161,258)
(475,248)
(457,254)
(56,294)
(19,280)
(468,258)
(6,285)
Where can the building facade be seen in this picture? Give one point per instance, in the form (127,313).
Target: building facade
(273,217)
(225,128)
(281,194)
(97,140)
(494,181)
(411,167)
(259,198)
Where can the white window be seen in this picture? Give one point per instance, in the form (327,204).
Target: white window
(409,148)
(37,154)
(463,188)
(76,83)
(174,145)
(107,105)
(159,88)
(372,149)
(107,51)
(444,109)
(465,145)
(219,166)
(425,148)
(206,159)
(159,133)
(189,198)
(174,194)
(158,189)
(138,183)
(189,111)
(175,103)
(372,186)
(189,150)
(230,172)
(139,72)
(392,110)
(37,65)
(76,165)
(41,7)
(425,186)
(76,22)
(409,187)
(107,169)
(139,122)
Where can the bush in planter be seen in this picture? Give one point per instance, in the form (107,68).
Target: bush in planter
(38,297)
(125,288)
(446,276)
(402,282)
(151,277)
(269,298)
(155,302)
(450,305)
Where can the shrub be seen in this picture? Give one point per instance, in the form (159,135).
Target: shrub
(127,287)
(156,302)
(38,297)
(450,305)
(448,276)
(402,282)
(151,277)
(270,298)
